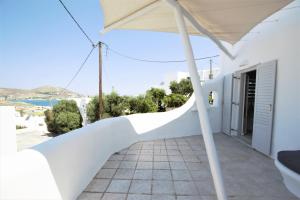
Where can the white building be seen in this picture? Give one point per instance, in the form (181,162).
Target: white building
(178,76)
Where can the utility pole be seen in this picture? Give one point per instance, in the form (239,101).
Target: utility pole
(100,81)
(210,69)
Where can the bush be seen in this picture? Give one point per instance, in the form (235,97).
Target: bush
(175,100)
(142,104)
(93,110)
(63,117)
(157,95)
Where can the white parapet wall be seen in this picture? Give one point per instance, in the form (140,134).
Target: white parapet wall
(62,167)
(7,131)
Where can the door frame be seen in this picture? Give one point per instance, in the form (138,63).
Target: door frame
(242,73)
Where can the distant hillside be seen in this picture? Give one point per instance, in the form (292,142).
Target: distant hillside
(44,92)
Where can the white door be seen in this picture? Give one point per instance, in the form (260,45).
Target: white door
(264,107)
(235,105)
(227,96)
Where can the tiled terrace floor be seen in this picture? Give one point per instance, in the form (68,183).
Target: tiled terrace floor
(178,169)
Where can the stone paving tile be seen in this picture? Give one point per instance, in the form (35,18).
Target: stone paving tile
(161,165)
(97,185)
(114,196)
(124,174)
(139,197)
(144,165)
(189,198)
(163,197)
(111,164)
(199,175)
(178,169)
(162,175)
(106,173)
(146,157)
(178,165)
(119,186)
(185,188)
(183,175)
(140,187)
(128,164)
(159,158)
(163,187)
(116,157)
(131,157)
(143,174)
(89,196)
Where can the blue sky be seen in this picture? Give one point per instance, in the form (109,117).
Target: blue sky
(41,45)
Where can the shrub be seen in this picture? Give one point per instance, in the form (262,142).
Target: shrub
(175,100)
(93,110)
(63,117)
(142,104)
(157,95)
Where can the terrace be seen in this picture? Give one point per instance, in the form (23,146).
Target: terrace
(178,168)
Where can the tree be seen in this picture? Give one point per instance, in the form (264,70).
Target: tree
(157,95)
(142,104)
(114,104)
(183,87)
(174,100)
(92,110)
(49,119)
(63,117)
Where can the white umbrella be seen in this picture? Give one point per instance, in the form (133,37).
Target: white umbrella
(220,20)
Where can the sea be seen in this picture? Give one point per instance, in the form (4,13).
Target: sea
(39,102)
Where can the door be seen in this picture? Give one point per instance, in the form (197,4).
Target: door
(227,96)
(264,107)
(235,104)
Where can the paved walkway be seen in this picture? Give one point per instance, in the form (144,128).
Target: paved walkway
(30,138)
(178,169)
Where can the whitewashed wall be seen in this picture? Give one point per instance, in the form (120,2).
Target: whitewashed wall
(62,167)
(276,41)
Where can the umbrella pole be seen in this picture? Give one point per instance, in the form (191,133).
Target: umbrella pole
(202,112)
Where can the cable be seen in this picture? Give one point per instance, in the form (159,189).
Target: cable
(78,25)
(153,61)
(79,69)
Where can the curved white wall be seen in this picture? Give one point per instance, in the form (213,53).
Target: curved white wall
(62,167)
(276,41)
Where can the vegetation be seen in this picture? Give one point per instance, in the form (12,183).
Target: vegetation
(20,127)
(155,100)
(184,87)
(64,117)
(174,100)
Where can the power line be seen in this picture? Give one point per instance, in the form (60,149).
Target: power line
(78,25)
(150,60)
(80,68)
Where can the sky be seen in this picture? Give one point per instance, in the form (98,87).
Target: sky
(41,45)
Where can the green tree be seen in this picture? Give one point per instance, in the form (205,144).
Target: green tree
(142,104)
(175,100)
(49,119)
(63,117)
(183,87)
(114,104)
(157,95)
(92,110)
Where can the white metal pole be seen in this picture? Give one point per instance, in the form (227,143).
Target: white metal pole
(203,115)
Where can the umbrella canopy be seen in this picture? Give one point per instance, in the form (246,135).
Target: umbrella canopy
(227,20)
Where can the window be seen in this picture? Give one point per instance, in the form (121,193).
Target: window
(213,98)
